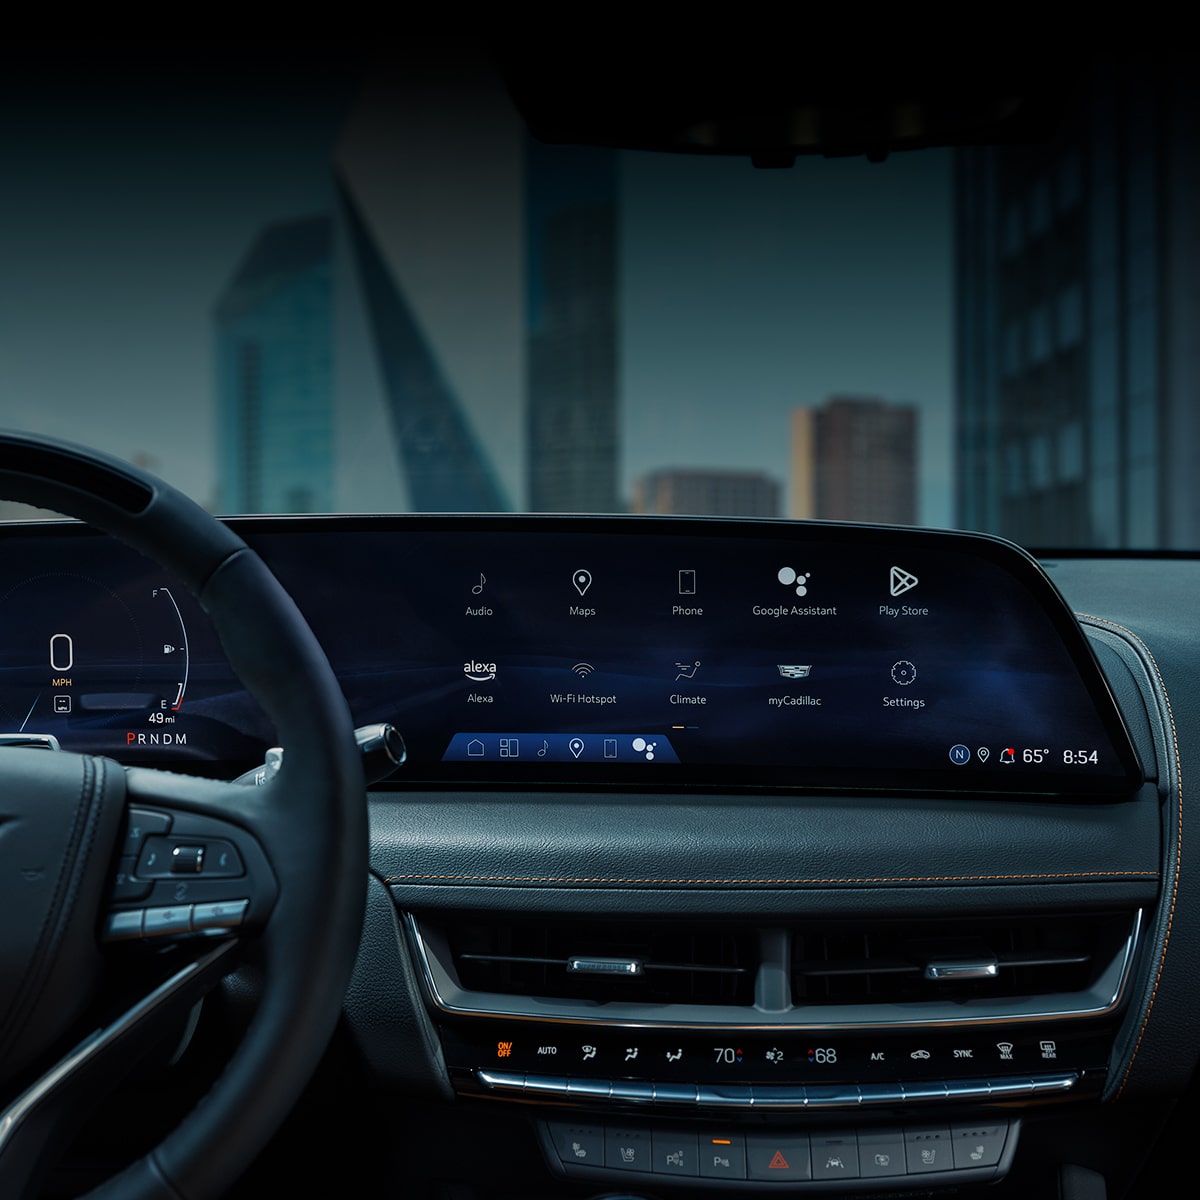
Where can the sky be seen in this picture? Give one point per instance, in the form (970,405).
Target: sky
(128,200)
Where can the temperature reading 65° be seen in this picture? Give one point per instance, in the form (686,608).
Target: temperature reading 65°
(1033,756)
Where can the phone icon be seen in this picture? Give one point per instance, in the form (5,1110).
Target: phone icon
(687,583)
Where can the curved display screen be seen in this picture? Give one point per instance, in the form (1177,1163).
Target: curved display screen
(593,651)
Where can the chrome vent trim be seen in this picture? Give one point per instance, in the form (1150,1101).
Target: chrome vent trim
(1105,995)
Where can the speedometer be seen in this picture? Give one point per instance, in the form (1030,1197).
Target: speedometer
(75,653)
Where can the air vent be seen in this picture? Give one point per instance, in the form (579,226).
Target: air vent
(913,961)
(826,974)
(634,961)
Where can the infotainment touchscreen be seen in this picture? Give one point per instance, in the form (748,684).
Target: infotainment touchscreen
(636,652)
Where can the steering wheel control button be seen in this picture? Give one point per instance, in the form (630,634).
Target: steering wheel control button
(722,1156)
(977,1145)
(835,1156)
(881,1154)
(125,886)
(187,860)
(579,1145)
(224,914)
(221,860)
(781,1159)
(675,1153)
(210,858)
(627,1149)
(162,922)
(123,926)
(141,823)
(928,1149)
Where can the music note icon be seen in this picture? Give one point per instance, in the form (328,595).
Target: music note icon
(479,586)
(545,747)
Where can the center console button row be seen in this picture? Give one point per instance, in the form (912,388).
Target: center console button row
(782,1157)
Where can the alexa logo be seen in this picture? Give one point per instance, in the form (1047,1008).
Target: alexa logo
(480,672)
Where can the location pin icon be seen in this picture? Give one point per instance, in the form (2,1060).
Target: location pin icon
(576,745)
(582,581)
(983,753)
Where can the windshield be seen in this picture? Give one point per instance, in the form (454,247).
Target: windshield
(335,284)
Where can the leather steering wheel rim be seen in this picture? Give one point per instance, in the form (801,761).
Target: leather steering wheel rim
(311,819)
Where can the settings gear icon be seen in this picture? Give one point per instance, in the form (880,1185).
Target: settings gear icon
(903,672)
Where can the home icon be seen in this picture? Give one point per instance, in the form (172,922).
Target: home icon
(475,748)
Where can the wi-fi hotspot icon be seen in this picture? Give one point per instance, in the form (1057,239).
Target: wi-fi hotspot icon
(583,670)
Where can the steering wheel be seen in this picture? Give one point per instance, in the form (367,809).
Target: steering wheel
(66,820)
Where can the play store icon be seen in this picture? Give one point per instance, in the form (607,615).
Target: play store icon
(902,581)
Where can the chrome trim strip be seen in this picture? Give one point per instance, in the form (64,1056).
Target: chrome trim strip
(982,1016)
(983,969)
(23,1106)
(706,1095)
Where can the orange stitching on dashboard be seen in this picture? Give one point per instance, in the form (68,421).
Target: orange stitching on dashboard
(864,879)
(1162,958)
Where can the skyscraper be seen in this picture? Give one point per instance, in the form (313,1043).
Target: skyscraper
(1077,376)
(274,330)
(707,493)
(855,459)
(431,290)
(571,240)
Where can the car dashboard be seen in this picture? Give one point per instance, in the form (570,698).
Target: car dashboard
(728,857)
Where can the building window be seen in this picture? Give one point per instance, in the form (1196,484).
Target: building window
(1070,452)
(1012,349)
(1039,334)
(1069,323)
(1014,233)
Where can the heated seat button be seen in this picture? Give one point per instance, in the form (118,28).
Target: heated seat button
(977,1145)
(579,1145)
(928,1149)
(627,1149)
(778,1158)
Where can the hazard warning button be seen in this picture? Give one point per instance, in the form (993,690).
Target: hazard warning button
(780,1158)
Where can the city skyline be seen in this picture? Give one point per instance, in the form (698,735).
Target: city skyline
(741,293)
